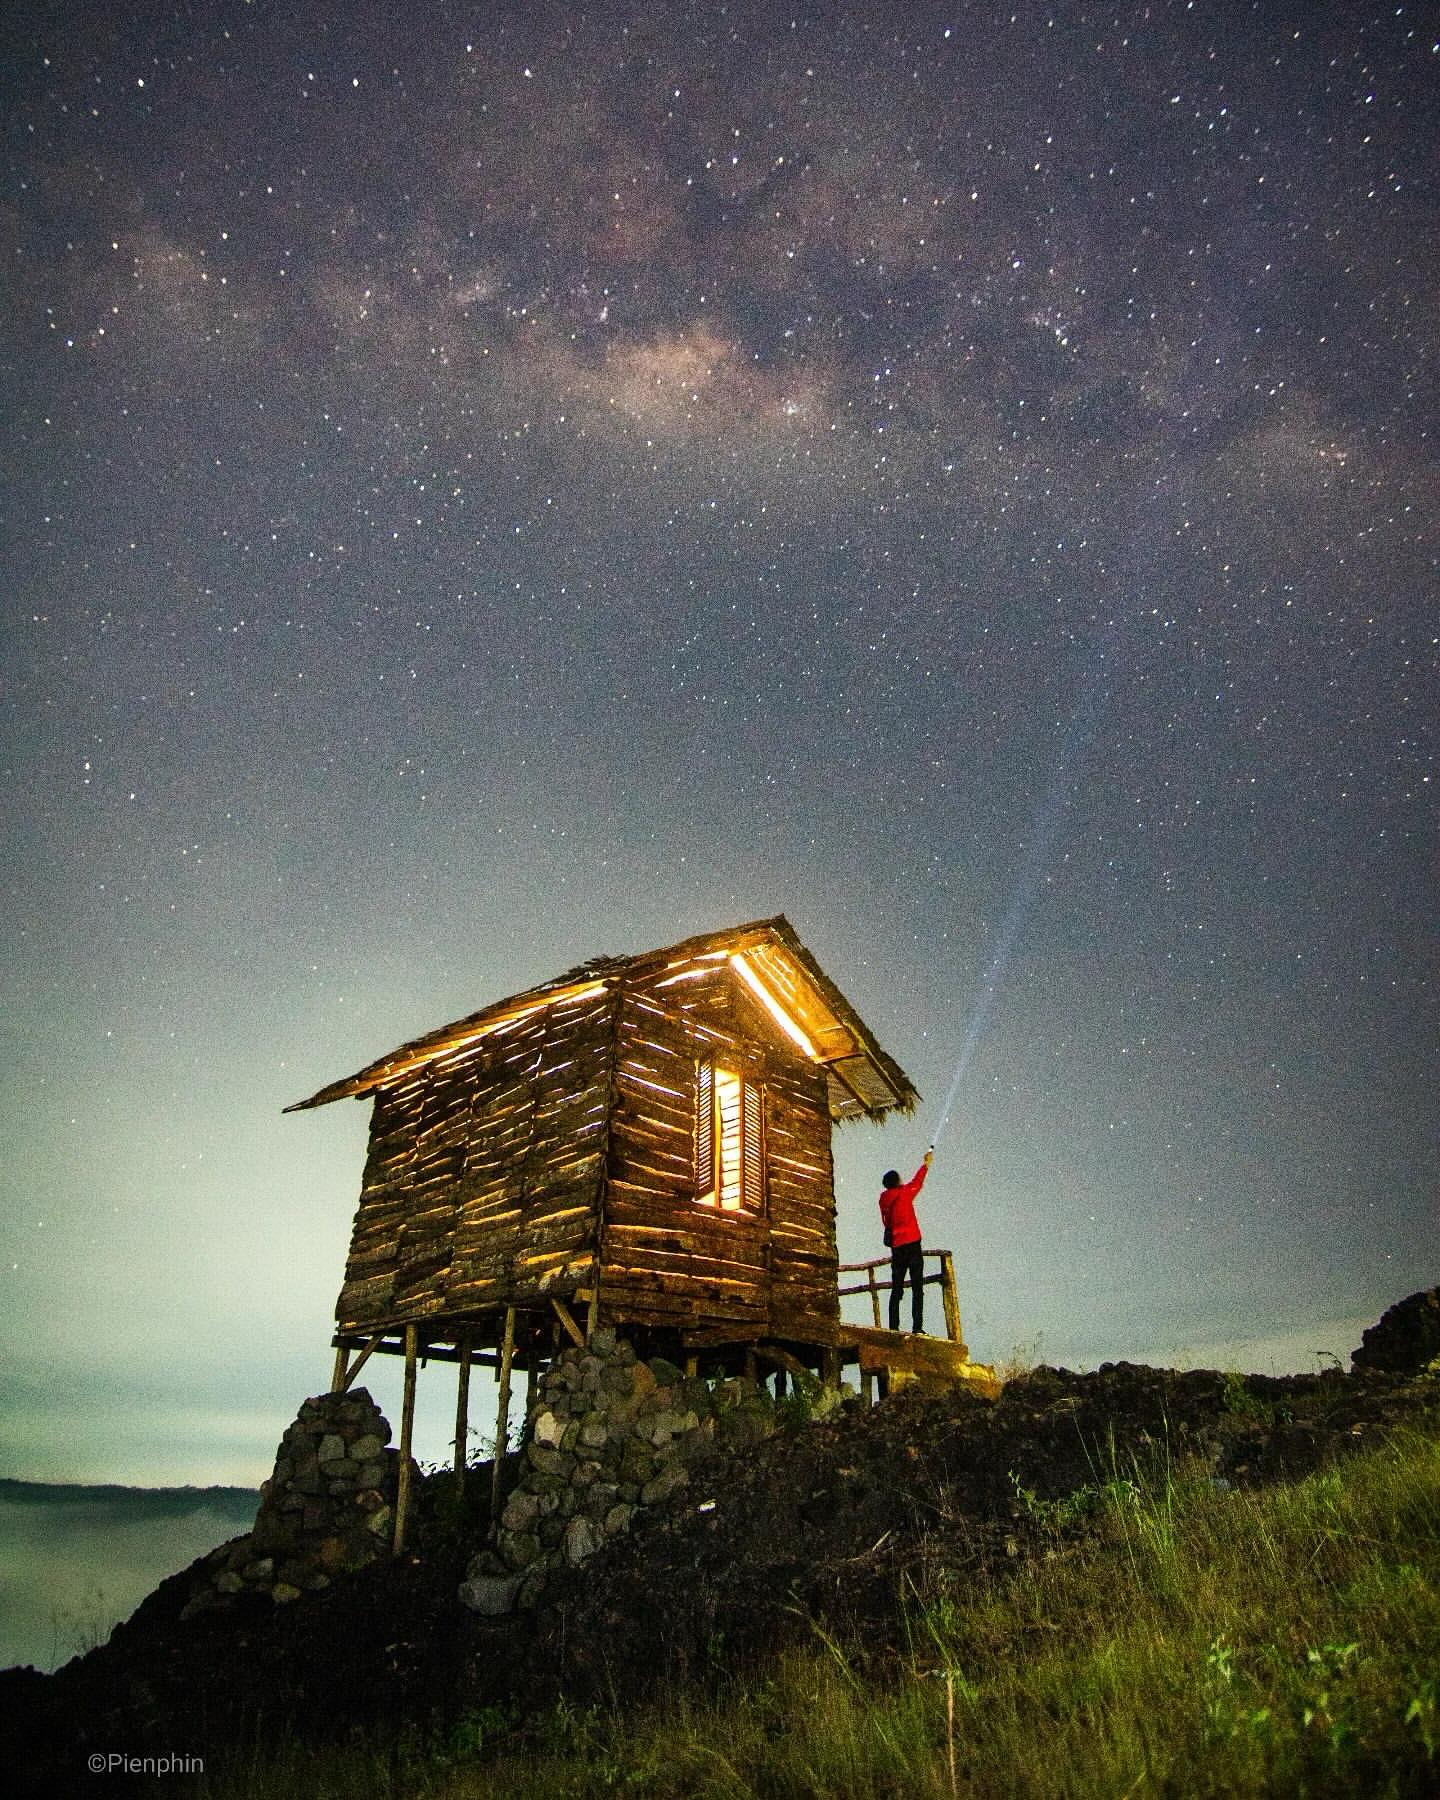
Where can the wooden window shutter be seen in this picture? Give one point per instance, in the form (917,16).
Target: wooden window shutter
(705,1130)
(752,1184)
(729,1140)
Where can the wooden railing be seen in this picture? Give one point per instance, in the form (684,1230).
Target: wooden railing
(943,1278)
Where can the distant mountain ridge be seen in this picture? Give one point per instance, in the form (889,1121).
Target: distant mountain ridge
(78,1556)
(117,1493)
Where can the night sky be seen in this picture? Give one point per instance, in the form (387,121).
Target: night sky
(493,486)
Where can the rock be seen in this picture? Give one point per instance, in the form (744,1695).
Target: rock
(283,1593)
(518,1548)
(490,1595)
(531,1588)
(332,1448)
(262,1569)
(581,1540)
(594,1434)
(665,1373)
(637,1464)
(617,1520)
(667,1482)
(521,1511)
(367,1448)
(228,1582)
(1406,1339)
(378,1521)
(602,1343)
(547,1462)
(548,1430)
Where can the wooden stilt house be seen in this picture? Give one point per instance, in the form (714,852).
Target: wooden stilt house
(642,1143)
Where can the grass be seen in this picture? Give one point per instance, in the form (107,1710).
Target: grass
(1174,1638)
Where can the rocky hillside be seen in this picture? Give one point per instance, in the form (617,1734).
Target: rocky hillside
(829,1520)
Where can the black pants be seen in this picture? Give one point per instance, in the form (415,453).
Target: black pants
(907,1259)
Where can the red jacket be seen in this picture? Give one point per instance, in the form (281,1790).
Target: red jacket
(897,1209)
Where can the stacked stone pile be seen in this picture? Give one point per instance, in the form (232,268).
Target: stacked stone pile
(608,1437)
(1406,1339)
(326,1509)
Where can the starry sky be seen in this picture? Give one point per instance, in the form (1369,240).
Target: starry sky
(490,486)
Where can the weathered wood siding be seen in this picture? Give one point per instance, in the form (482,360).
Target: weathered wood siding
(667,1260)
(483,1176)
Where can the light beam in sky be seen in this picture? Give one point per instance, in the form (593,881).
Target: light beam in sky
(1037,857)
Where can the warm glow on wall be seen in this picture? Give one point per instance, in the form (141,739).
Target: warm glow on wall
(727,1139)
(772,1005)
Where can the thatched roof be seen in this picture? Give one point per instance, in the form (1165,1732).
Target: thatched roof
(767,957)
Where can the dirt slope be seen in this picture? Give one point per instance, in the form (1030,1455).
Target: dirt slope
(832,1522)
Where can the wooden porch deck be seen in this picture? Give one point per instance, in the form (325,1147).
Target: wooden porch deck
(894,1359)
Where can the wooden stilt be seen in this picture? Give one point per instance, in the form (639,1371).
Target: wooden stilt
(867,1387)
(692,1365)
(462,1413)
(347,1375)
(951,1297)
(338,1381)
(532,1383)
(407,1427)
(502,1410)
(779,1384)
(749,1362)
(830,1367)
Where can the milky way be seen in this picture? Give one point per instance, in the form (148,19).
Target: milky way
(490,487)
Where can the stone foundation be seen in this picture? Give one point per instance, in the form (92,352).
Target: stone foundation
(327,1508)
(608,1437)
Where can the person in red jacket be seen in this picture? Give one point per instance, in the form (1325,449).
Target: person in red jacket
(902,1234)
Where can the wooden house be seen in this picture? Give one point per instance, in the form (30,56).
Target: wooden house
(642,1143)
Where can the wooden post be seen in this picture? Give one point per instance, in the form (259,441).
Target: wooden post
(462,1413)
(337,1379)
(692,1365)
(867,1387)
(951,1297)
(749,1362)
(502,1410)
(407,1426)
(874,1296)
(830,1367)
(573,1331)
(532,1383)
(364,1357)
(779,1384)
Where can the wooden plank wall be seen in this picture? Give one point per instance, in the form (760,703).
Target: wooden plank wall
(482,1181)
(669,1261)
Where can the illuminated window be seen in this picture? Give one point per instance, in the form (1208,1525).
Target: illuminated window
(729,1146)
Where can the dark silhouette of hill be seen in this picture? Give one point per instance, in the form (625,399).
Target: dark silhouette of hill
(833,1522)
